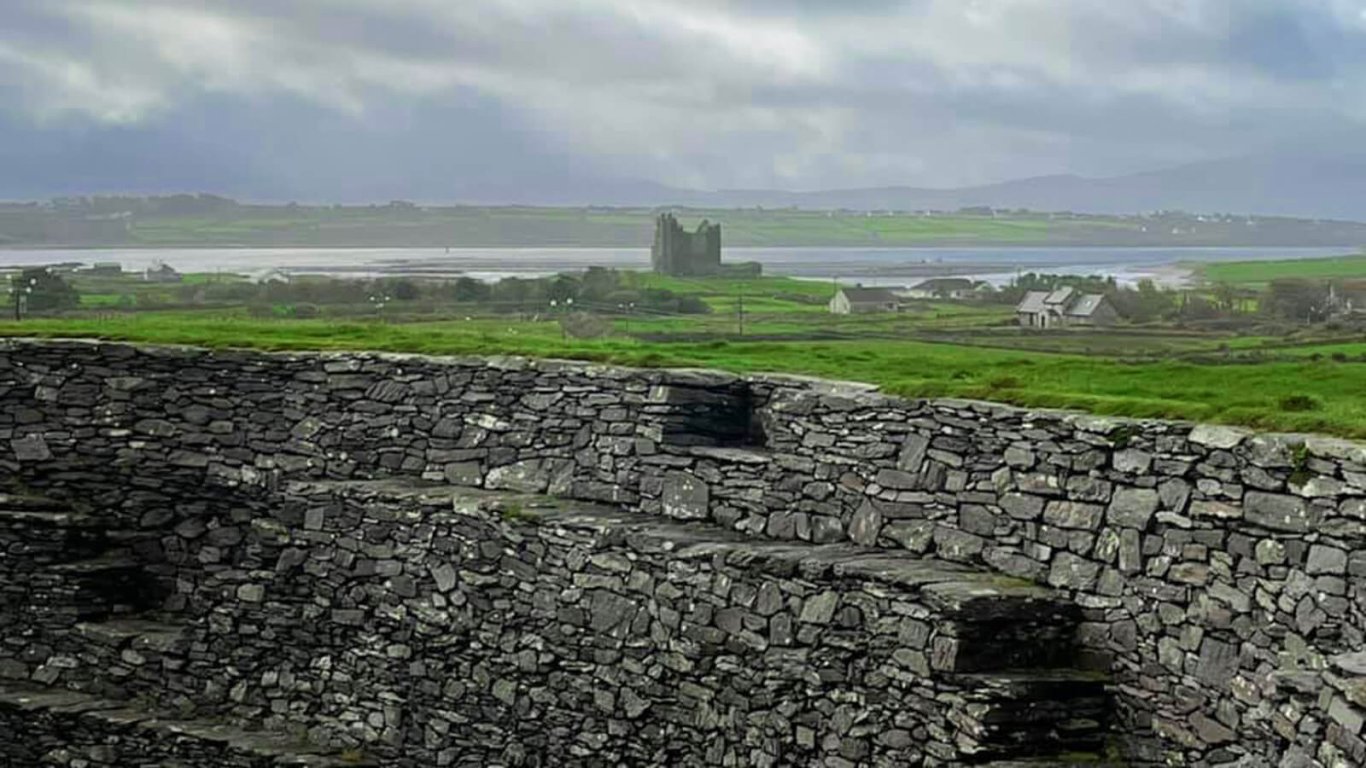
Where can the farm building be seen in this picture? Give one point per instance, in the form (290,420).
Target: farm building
(161,273)
(859,301)
(1064,307)
(944,288)
(271,275)
(105,269)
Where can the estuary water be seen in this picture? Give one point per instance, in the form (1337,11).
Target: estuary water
(869,266)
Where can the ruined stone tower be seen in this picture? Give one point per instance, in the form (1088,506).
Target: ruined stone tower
(679,252)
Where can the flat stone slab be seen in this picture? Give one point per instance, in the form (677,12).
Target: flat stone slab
(52,518)
(117,717)
(18,509)
(102,564)
(139,633)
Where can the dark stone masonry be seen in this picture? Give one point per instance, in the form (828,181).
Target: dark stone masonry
(679,252)
(222,558)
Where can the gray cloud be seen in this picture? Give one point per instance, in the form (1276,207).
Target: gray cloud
(707,93)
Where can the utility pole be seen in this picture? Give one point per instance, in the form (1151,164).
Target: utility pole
(21,295)
(740,309)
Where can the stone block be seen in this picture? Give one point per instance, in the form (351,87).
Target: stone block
(1278,512)
(685,496)
(30,448)
(1022,506)
(1072,514)
(1133,507)
(524,476)
(1325,559)
(866,524)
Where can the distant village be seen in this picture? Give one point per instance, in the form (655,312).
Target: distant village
(158,272)
(1062,307)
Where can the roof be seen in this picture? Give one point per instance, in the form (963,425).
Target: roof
(869,295)
(1059,296)
(944,284)
(1086,305)
(1033,303)
(1063,300)
(269,275)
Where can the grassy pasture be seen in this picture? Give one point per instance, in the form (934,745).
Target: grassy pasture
(1259,273)
(1250,393)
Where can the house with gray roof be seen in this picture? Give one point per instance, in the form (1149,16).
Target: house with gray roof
(945,288)
(859,301)
(1064,307)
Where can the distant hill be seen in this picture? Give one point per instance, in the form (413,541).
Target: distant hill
(205,220)
(1307,185)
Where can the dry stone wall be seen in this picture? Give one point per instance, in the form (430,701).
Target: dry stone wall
(1219,572)
(477,628)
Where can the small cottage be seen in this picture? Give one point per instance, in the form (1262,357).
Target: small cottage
(161,273)
(860,301)
(105,269)
(1064,307)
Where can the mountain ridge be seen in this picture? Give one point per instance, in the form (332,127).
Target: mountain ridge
(1301,185)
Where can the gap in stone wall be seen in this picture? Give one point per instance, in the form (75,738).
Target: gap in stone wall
(709,416)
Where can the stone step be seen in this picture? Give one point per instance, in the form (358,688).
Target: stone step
(949,629)
(36,532)
(111,584)
(123,658)
(109,563)
(142,634)
(992,622)
(49,726)
(19,501)
(60,517)
(1067,761)
(1022,713)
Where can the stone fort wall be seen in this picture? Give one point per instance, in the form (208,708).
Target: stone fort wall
(1217,572)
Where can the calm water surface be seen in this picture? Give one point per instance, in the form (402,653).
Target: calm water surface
(871,266)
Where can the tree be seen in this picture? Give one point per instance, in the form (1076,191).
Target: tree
(1145,303)
(1196,307)
(41,290)
(400,288)
(563,288)
(1296,298)
(516,293)
(469,289)
(598,283)
(1227,298)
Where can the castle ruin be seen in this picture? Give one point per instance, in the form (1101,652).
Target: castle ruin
(681,253)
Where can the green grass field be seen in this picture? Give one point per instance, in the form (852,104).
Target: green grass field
(1254,394)
(1258,273)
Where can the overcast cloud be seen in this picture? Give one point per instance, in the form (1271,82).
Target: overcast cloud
(481,99)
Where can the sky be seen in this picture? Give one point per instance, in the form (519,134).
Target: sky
(540,100)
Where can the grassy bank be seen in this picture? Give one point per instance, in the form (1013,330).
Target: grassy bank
(1259,273)
(1320,395)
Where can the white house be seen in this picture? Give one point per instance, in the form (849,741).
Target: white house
(161,273)
(1064,307)
(859,301)
(943,288)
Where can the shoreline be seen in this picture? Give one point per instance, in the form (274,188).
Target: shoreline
(927,246)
